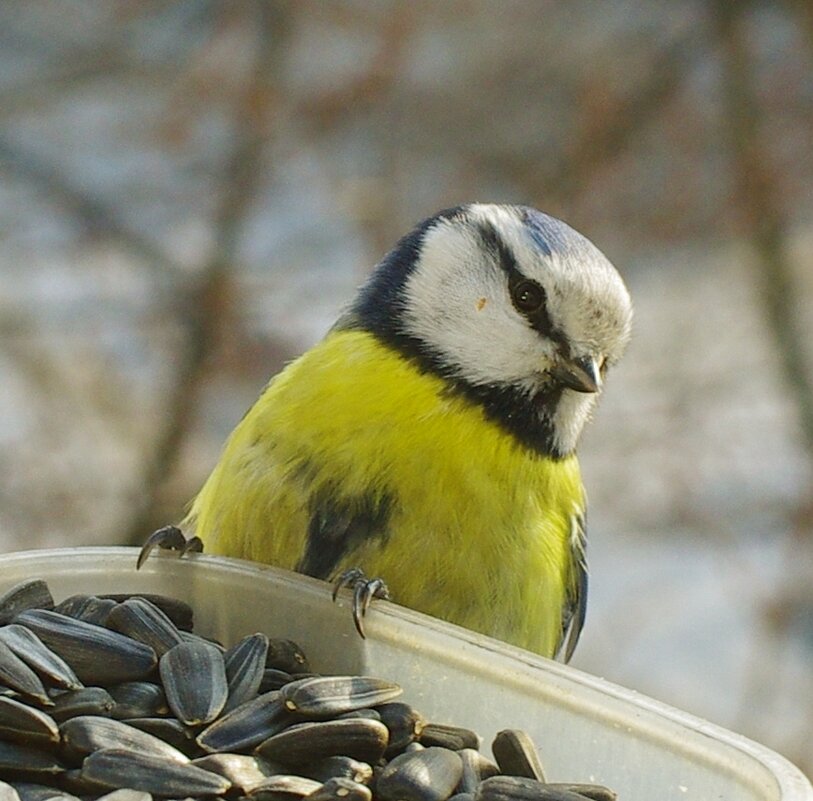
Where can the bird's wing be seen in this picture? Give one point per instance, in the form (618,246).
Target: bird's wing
(575,606)
(338,526)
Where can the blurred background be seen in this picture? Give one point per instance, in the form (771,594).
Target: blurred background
(191,190)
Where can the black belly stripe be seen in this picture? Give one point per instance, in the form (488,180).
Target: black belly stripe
(338,525)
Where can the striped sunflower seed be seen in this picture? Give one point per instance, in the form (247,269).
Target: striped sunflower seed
(328,696)
(97,655)
(516,755)
(14,673)
(86,734)
(245,665)
(138,699)
(30,594)
(247,725)
(87,701)
(194,678)
(145,622)
(22,723)
(359,738)
(520,788)
(242,770)
(151,774)
(38,656)
(428,775)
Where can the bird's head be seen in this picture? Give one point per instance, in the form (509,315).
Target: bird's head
(518,311)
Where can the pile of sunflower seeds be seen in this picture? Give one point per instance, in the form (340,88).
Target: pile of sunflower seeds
(115,697)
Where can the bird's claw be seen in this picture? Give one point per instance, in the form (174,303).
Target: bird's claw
(169,538)
(365,590)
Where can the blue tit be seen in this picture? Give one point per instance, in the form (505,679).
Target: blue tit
(430,438)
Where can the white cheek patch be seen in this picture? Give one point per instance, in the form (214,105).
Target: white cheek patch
(573,412)
(457,303)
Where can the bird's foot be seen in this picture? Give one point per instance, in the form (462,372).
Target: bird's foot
(169,538)
(365,590)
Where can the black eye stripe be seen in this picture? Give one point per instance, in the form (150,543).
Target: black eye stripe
(518,285)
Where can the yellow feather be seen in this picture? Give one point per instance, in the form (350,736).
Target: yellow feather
(479,527)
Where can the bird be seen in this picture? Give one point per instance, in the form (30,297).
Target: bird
(429,439)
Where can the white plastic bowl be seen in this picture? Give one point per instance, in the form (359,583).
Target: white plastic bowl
(586,729)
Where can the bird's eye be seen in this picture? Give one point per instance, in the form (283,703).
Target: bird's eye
(527,296)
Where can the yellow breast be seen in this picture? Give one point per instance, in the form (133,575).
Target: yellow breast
(477,527)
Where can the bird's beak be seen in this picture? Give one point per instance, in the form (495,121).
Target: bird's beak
(580,374)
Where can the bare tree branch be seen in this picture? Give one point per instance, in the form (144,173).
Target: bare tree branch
(762,219)
(759,205)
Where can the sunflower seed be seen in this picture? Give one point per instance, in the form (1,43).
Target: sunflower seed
(286,655)
(23,723)
(33,651)
(520,788)
(86,734)
(150,774)
(358,738)
(146,623)
(404,723)
(454,738)
(26,761)
(97,655)
(171,731)
(31,594)
(87,701)
(428,775)
(339,789)
(516,755)
(194,678)
(338,767)
(246,725)
(138,699)
(245,664)
(243,771)
(328,696)
(18,676)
